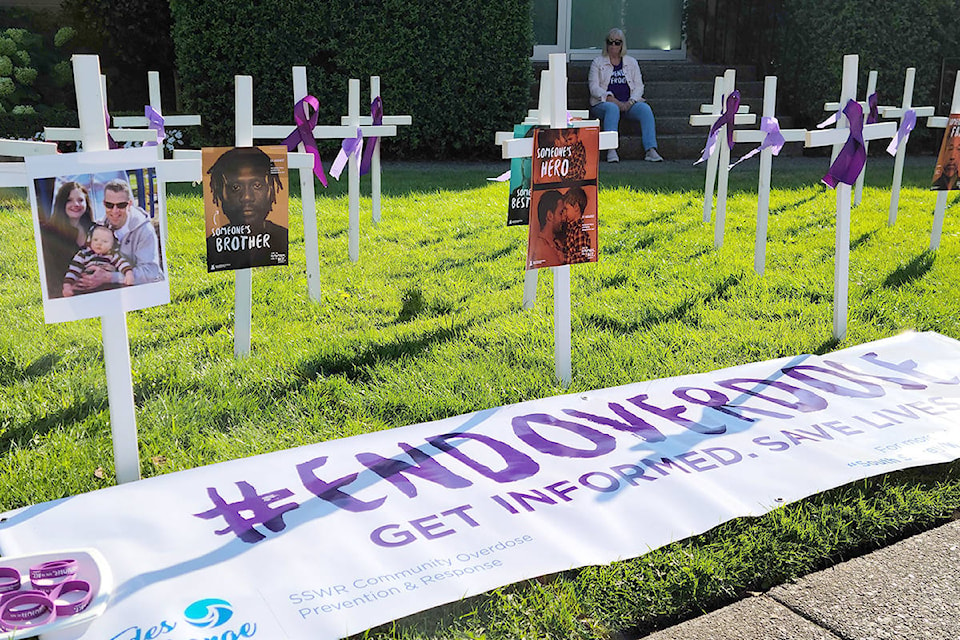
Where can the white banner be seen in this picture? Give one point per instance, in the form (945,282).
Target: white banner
(330,539)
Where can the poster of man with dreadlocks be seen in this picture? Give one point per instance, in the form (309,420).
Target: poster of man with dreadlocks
(245,202)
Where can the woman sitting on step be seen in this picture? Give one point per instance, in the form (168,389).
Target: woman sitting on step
(616,89)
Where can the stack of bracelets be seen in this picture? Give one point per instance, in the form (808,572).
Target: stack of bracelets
(37,605)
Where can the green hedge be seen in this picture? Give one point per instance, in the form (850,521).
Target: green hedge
(888,35)
(27,126)
(462,70)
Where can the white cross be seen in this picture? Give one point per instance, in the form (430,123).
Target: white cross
(718,164)
(901,112)
(153,88)
(74,134)
(833,137)
(116,343)
(757,136)
(523,147)
(349,130)
(366,121)
(941,207)
(12,174)
(541,116)
(835,107)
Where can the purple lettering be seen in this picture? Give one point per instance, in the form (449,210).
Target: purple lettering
(421,525)
(907,367)
(631,472)
(631,423)
(330,491)
(696,461)
(807,401)
(522,426)
(560,491)
(518,464)
(673,415)
(720,402)
(871,390)
(612,484)
(425,467)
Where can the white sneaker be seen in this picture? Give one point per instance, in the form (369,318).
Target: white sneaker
(612,156)
(652,155)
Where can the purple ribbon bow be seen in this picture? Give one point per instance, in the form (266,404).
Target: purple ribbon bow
(726,117)
(349,147)
(903,132)
(155,122)
(773,139)
(111,143)
(376,112)
(304,134)
(849,163)
(874,116)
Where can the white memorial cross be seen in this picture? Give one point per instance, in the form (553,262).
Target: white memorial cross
(523,147)
(349,130)
(757,136)
(367,121)
(833,137)
(941,206)
(541,116)
(153,88)
(901,114)
(835,107)
(75,134)
(718,163)
(116,343)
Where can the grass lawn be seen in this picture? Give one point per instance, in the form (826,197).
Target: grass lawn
(428,325)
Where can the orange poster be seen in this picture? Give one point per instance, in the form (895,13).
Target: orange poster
(563,205)
(245,202)
(945,175)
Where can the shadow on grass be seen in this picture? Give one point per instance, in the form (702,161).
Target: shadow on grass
(913,270)
(864,237)
(22,435)
(357,366)
(677,313)
(793,205)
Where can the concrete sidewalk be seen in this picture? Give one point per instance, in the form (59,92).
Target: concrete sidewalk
(907,591)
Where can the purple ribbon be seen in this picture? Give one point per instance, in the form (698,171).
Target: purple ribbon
(774,140)
(874,115)
(155,122)
(304,134)
(111,143)
(726,117)
(903,132)
(349,147)
(376,113)
(853,156)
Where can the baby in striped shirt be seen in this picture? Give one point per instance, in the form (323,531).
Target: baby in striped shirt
(101,250)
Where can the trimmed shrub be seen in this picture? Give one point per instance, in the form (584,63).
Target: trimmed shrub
(461,70)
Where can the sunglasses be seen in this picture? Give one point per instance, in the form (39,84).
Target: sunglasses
(614,43)
(120,205)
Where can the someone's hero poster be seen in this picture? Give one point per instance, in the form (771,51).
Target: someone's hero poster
(945,175)
(245,202)
(563,203)
(97,220)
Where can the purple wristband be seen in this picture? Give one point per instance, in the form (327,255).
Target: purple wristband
(48,576)
(9,579)
(26,610)
(72,586)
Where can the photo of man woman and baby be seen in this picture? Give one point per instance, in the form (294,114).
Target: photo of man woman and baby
(98,232)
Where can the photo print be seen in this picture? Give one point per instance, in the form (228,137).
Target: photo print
(97,225)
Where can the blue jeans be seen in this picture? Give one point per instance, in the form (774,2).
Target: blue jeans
(609,115)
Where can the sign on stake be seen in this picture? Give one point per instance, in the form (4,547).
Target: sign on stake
(522,147)
(941,207)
